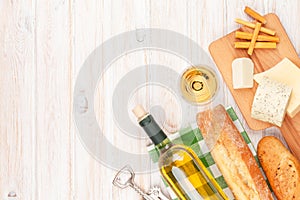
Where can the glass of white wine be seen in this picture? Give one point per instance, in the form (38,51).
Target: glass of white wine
(199,84)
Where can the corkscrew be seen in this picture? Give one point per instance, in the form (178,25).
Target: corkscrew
(125,178)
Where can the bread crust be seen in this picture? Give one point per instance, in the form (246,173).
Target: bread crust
(281,168)
(233,156)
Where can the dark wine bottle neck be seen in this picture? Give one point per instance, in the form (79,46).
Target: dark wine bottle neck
(153,130)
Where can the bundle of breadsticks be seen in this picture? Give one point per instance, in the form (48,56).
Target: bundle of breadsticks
(267,40)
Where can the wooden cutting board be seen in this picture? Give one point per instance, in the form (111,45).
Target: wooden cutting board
(223,53)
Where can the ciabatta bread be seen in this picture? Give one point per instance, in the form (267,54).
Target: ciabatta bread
(281,168)
(232,155)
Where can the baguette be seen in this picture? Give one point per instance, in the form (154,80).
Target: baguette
(232,155)
(281,168)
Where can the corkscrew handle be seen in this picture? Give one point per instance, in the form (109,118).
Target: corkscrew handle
(125,178)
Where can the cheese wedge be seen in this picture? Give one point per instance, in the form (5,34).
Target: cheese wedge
(270,101)
(242,73)
(288,73)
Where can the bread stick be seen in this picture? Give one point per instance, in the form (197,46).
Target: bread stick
(258,45)
(255,15)
(261,38)
(251,25)
(254,37)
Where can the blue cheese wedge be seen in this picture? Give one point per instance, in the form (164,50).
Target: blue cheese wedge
(288,73)
(270,101)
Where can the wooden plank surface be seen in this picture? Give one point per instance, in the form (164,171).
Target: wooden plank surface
(17,102)
(54,68)
(223,53)
(43,46)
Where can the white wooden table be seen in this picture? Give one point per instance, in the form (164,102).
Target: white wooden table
(43,46)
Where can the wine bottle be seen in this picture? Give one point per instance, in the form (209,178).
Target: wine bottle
(179,165)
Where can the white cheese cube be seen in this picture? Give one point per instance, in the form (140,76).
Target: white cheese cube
(288,73)
(242,73)
(270,101)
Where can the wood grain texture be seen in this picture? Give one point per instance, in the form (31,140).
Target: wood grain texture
(43,46)
(17,102)
(223,53)
(87,174)
(104,20)
(54,67)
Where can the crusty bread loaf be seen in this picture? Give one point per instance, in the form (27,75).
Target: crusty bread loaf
(281,168)
(232,155)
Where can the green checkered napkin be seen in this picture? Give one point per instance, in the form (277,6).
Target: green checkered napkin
(192,137)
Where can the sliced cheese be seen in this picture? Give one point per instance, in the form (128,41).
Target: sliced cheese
(270,101)
(242,73)
(288,73)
